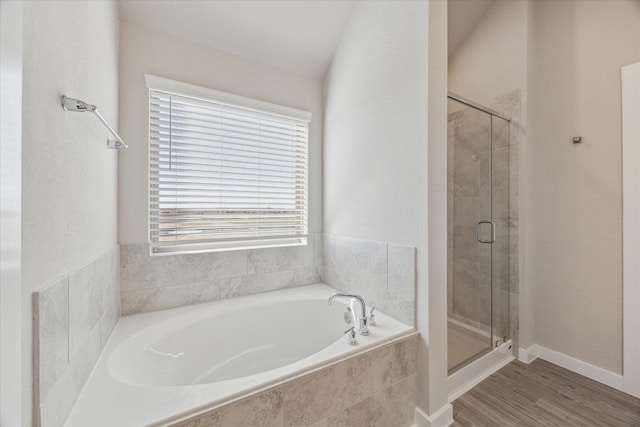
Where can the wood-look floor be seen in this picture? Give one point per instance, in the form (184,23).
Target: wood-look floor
(543,394)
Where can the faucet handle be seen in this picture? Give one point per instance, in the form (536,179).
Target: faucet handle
(372,317)
(351,335)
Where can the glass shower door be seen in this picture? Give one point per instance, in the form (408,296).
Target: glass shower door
(471,233)
(479,221)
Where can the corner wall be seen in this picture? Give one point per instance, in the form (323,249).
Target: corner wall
(432,294)
(69,176)
(375,144)
(375,126)
(11,212)
(576,190)
(491,60)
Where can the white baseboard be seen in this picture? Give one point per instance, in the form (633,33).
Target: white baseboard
(443,417)
(529,354)
(588,370)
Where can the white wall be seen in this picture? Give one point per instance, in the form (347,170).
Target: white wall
(375,143)
(576,190)
(631,226)
(432,293)
(491,60)
(526,313)
(145,51)
(375,126)
(10,212)
(69,176)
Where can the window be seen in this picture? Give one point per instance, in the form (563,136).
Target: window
(226,172)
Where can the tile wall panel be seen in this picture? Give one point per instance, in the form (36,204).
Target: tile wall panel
(150,283)
(382,273)
(73,319)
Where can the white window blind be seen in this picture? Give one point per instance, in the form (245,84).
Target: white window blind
(224,175)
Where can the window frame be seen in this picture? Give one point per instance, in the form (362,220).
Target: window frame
(172,87)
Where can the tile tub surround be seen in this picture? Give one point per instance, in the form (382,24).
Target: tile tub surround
(151,283)
(73,318)
(382,273)
(264,339)
(374,389)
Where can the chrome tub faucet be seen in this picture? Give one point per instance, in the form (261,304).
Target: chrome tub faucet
(363,329)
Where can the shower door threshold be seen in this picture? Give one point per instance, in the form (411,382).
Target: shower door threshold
(469,374)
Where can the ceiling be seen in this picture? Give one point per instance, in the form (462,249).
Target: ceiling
(463,16)
(296,36)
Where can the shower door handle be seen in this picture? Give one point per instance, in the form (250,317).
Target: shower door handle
(493,231)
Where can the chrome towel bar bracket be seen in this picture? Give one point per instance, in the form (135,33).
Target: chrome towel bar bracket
(71,104)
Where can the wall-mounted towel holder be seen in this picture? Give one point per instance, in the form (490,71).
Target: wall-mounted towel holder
(71,104)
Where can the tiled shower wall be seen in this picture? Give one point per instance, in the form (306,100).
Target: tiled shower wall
(377,388)
(469,298)
(73,318)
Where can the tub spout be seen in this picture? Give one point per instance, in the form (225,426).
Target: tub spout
(362,318)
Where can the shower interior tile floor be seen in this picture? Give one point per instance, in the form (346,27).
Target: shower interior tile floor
(464,344)
(543,394)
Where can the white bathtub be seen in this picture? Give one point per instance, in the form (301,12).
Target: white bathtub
(159,365)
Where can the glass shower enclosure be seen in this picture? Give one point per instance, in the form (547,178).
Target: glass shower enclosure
(478,231)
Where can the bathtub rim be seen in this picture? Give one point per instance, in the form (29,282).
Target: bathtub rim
(147,319)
